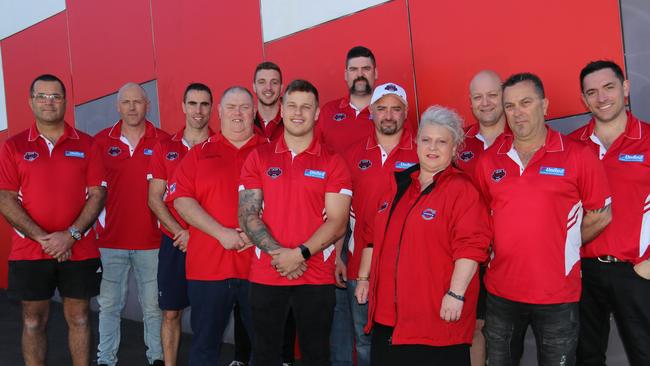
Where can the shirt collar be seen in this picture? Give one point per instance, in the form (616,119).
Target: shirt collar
(632,128)
(178,136)
(554,142)
(68,132)
(314,147)
(116,130)
(405,143)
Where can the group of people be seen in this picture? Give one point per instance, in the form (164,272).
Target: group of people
(373,242)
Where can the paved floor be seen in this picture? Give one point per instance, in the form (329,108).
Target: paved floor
(132,346)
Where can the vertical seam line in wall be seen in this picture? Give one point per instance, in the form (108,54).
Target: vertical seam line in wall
(262,32)
(627,76)
(155,65)
(415,84)
(71,86)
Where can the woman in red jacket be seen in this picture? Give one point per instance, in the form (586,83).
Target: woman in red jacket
(430,233)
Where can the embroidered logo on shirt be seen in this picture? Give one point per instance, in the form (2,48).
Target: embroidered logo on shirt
(549,170)
(172,155)
(498,174)
(148,152)
(364,164)
(75,154)
(339,117)
(274,172)
(383,206)
(466,156)
(428,214)
(30,156)
(315,173)
(631,158)
(114,151)
(403,164)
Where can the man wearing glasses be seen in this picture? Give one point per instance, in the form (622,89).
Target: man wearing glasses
(51,190)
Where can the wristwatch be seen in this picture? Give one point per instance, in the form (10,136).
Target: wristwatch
(75,233)
(305,251)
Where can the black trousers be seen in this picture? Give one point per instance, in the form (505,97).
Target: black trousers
(384,353)
(613,288)
(313,310)
(243,347)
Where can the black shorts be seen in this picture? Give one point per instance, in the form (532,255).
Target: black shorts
(35,280)
(172,283)
(481,306)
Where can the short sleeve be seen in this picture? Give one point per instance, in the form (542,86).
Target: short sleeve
(156,167)
(250,173)
(471,229)
(183,183)
(592,180)
(339,179)
(9,178)
(96,172)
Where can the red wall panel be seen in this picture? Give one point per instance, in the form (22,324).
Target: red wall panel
(318,54)
(111,44)
(37,50)
(213,42)
(554,39)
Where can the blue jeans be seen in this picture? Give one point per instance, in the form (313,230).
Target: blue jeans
(359,315)
(342,337)
(212,303)
(555,327)
(112,298)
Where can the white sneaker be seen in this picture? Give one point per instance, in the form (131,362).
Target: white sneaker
(237,363)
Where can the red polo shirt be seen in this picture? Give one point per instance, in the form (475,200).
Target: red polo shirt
(417,241)
(127,222)
(167,155)
(474,145)
(537,213)
(52,182)
(340,127)
(627,164)
(273,129)
(294,189)
(372,171)
(210,175)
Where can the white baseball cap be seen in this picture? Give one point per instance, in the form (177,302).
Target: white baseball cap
(389,88)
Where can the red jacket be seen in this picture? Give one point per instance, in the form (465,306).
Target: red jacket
(449,221)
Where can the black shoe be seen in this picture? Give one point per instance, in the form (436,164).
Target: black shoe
(158,363)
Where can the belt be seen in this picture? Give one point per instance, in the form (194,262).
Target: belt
(609,259)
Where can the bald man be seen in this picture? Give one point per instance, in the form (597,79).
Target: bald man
(486,99)
(129,237)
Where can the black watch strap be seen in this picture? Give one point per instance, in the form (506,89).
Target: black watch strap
(305,251)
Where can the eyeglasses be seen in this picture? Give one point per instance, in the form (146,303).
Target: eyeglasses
(44,98)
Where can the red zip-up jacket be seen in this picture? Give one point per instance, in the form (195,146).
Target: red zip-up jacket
(447,221)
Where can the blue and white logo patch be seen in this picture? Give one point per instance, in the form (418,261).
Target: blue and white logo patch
(172,188)
(148,152)
(75,154)
(631,158)
(339,117)
(315,173)
(403,164)
(428,214)
(30,155)
(549,170)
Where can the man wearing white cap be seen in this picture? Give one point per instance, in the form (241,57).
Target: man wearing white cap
(372,162)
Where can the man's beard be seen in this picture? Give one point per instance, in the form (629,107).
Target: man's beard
(366,91)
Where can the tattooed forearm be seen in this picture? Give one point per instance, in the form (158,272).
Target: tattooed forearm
(250,205)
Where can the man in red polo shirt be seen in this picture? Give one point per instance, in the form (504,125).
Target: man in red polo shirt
(128,231)
(168,153)
(204,191)
(548,194)
(346,120)
(372,163)
(267,85)
(306,194)
(615,266)
(51,191)
(486,98)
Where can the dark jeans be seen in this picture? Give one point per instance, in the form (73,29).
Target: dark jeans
(613,288)
(555,327)
(243,343)
(313,309)
(384,353)
(212,303)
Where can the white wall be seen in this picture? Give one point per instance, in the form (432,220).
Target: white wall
(16,15)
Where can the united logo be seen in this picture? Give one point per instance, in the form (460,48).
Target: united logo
(274,172)
(498,174)
(364,164)
(466,156)
(339,117)
(114,151)
(172,155)
(30,156)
